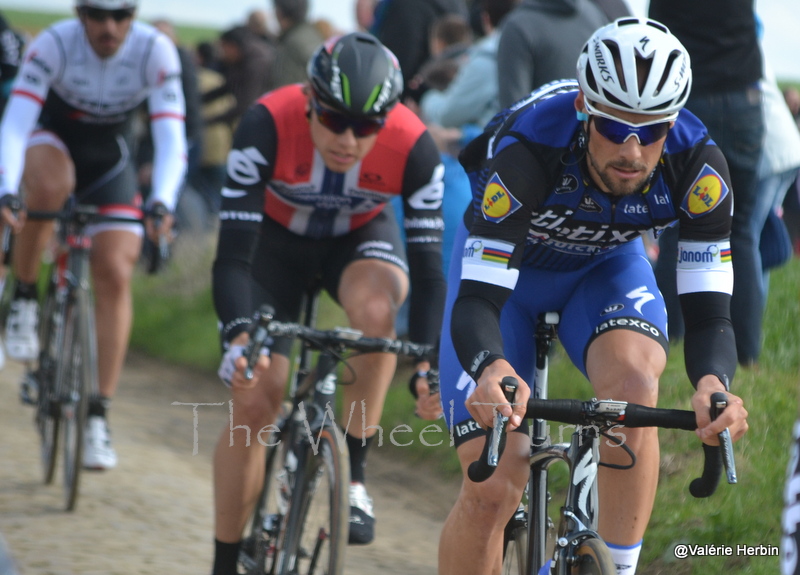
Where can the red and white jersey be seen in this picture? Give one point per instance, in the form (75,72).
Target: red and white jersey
(274,169)
(71,91)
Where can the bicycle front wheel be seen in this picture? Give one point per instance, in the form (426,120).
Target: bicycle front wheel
(48,410)
(593,558)
(515,545)
(260,539)
(323,521)
(78,373)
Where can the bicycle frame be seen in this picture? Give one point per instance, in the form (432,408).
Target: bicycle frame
(313,393)
(70,274)
(581,454)
(66,375)
(312,450)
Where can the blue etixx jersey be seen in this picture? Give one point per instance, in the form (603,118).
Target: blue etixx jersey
(534,203)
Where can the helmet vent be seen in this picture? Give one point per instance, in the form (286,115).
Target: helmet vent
(613,48)
(612,99)
(667,70)
(643,67)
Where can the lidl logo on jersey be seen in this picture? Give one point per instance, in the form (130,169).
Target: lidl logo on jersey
(498,203)
(706,193)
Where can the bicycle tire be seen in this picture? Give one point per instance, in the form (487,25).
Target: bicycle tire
(317,533)
(48,416)
(515,550)
(79,379)
(593,558)
(260,544)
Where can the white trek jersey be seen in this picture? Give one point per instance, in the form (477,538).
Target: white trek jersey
(63,84)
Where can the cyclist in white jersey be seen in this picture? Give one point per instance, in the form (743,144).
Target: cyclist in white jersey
(68,128)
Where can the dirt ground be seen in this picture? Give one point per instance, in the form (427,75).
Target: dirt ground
(153,513)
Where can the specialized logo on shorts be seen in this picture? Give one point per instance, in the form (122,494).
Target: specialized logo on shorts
(641,296)
(706,193)
(498,203)
(490,252)
(701,255)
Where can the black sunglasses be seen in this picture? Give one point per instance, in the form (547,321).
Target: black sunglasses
(338,123)
(100,15)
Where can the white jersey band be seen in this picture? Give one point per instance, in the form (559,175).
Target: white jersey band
(704,266)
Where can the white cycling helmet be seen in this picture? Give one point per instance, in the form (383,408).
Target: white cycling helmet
(611,61)
(107,4)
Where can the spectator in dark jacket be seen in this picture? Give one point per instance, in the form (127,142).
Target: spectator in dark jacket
(726,96)
(296,43)
(404,26)
(247,64)
(540,42)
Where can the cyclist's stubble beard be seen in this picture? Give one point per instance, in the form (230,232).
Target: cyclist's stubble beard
(618,187)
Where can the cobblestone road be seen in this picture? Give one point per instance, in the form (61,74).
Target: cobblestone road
(153,513)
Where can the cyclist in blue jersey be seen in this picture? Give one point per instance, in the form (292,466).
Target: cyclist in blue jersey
(565,183)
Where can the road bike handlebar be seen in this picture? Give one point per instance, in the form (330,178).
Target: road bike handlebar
(611,413)
(265,327)
(85,214)
(82,213)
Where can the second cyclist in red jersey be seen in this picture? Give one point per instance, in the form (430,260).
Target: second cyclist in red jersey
(310,175)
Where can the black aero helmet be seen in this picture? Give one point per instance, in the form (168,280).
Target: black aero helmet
(356,74)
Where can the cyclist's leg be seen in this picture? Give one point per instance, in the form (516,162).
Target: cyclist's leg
(239,454)
(284,266)
(111,186)
(617,337)
(114,256)
(370,292)
(48,179)
(472,537)
(369,278)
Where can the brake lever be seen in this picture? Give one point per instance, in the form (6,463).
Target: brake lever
(15,205)
(719,401)
(258,339)
(500,421)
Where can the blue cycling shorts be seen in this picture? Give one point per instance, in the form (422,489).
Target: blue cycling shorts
(616,290)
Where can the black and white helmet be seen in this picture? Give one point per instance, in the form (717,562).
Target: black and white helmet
(107,4)
(611,62)
(356,74)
